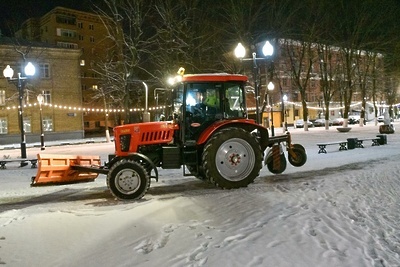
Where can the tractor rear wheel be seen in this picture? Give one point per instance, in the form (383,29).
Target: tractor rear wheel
(232,158)
(301,155)
(128,179)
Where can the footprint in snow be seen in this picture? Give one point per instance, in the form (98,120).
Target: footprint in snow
(229,240)
(195,255)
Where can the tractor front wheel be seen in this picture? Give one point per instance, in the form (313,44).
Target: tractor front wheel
(128,179)
(280,166)
(232,158)
(298,156)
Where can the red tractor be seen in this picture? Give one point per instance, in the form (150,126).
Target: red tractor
(207,132)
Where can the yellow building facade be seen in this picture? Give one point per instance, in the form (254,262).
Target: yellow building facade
(57,79)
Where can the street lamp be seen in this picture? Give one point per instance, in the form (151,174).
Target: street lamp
(146,113)
(284,98)
(40,100)
(20,82)
(271,87)
(240,52)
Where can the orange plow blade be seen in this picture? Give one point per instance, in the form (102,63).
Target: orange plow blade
(59,169)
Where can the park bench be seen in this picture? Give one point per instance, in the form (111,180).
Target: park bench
(322,146)
(23,162)
(375,142)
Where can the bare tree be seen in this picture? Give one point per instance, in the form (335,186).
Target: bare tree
(126,64)
(301,58)
(328,72)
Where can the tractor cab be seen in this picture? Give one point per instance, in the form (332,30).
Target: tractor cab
(201,100)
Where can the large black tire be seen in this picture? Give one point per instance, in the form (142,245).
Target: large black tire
(301,155)
(270,164)
(128,179)
(232,158)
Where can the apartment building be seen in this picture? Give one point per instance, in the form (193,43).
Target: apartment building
(73,29)
(56,79)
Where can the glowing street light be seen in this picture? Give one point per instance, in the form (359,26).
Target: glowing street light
(40,100)
(240,52)
(285,99)
(271,87)
(20,82)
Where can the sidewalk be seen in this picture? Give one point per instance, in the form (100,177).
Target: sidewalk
(57,143)
(315,133)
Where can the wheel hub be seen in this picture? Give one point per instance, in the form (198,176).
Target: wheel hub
(128,180)
(234,159)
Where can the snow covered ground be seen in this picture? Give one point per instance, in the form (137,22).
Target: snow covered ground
(340,209)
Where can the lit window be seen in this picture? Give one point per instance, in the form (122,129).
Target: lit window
(47,124)
(46,97)
(3,126)
(2,98)
(27,124)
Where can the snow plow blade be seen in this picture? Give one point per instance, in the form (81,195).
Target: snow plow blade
(59,169)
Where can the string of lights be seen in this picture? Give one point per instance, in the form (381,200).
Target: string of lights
(88,109)
(83,109)
(330,107)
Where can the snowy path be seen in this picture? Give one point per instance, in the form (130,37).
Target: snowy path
(340,209)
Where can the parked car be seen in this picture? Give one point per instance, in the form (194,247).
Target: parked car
(338,122)
(354,119)
(300,124)
(321,122)
(382,118)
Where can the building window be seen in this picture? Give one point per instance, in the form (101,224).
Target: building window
(80,25)
(66,33)
(44,70)
(27,124)
(80,37)
(67,45)
(3,126)
(47,124)
(46,97)
(91,27)
(91,39)
(66,20)
(2,98)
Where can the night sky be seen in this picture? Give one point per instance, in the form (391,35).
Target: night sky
(14,12)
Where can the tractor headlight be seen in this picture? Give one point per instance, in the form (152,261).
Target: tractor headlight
(125,142)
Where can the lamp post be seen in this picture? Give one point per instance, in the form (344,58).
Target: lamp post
(284,98)
(240,52)
(146,113)
(271,87)
(8,72)
(40,99)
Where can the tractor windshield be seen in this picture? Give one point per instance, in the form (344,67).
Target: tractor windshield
(202,103)
(215,100)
